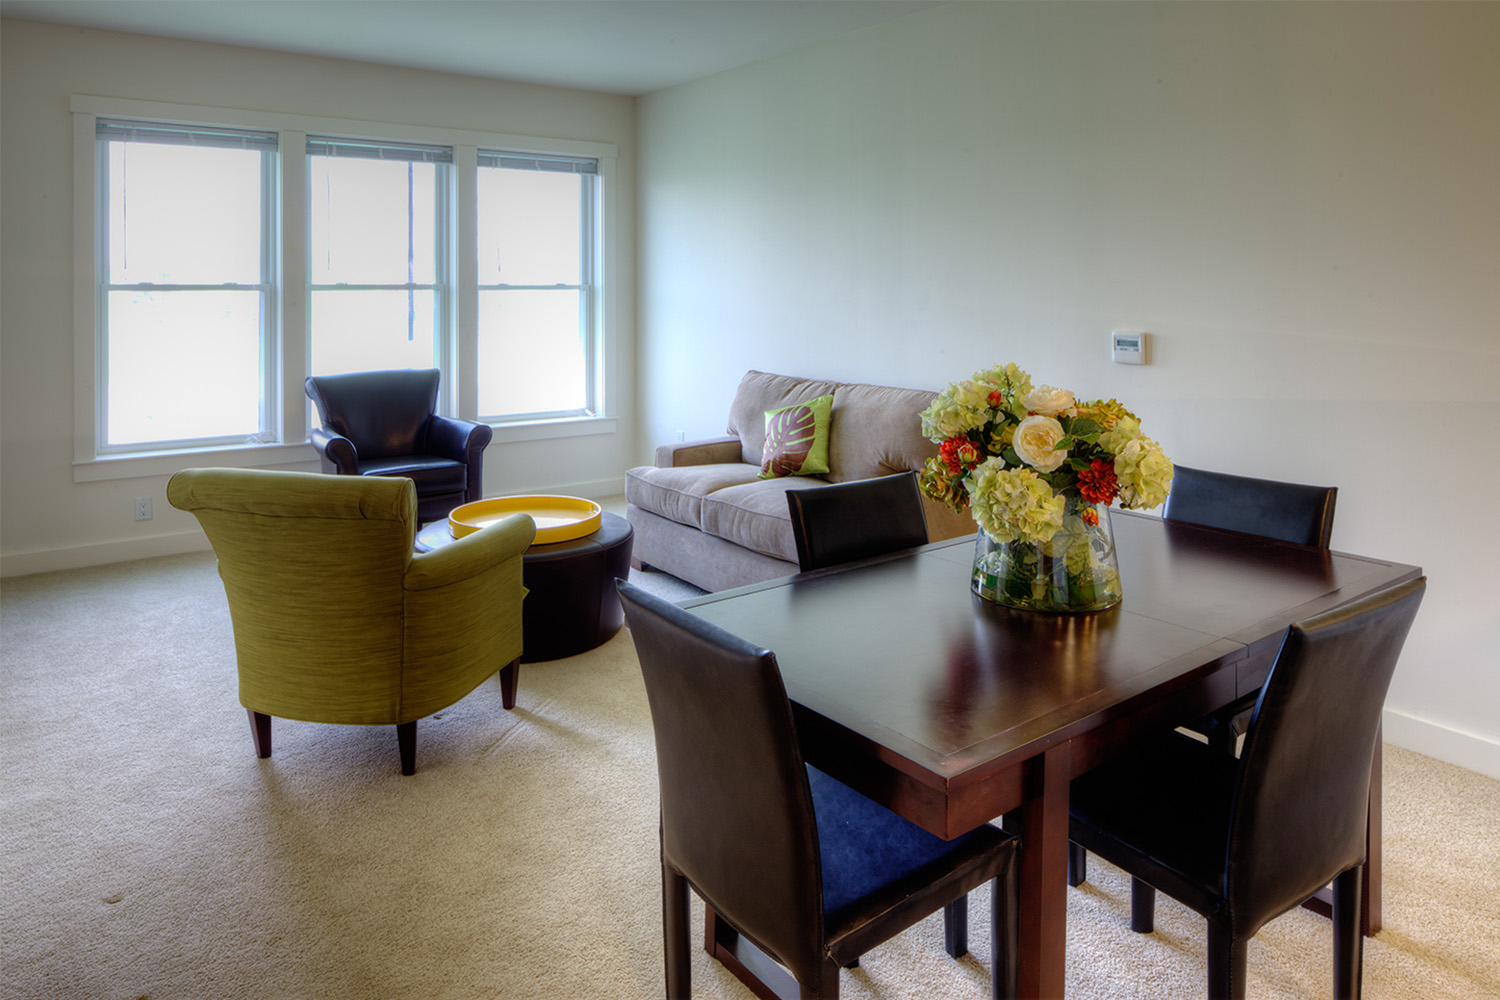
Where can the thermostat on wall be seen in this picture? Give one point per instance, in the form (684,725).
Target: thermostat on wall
(1128,348)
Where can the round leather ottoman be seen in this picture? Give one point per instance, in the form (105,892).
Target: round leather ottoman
(572,605)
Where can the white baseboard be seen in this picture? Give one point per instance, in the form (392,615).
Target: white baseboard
(101,553)
(1467,750)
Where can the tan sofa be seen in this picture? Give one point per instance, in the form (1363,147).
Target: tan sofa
(702,513)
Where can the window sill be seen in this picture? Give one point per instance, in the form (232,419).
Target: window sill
(141,465)
(543,430)
(164,463)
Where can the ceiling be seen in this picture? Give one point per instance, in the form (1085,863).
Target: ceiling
(615,46)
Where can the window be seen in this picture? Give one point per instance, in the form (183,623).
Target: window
(377,254)
(223,255)
(537,344)
(185,297)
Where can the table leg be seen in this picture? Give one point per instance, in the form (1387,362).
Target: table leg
(1042,824)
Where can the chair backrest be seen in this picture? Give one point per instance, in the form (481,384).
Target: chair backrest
(855,520)
(313,568)
(736,811)
(384,413)
(1288,512)
(1304,774)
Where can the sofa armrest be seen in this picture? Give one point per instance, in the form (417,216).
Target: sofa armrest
(706,451)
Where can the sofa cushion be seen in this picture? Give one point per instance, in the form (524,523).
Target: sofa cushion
(759,392)
(797,439)
(678,493)
(876,430)
(755,515)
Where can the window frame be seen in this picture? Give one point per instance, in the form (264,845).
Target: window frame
(289,412)
(267,288)
(589,285)
(443,284)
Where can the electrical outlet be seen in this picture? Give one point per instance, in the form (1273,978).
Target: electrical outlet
(681,436)
(143,508)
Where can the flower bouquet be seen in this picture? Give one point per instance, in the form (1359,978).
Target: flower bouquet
(1038,469)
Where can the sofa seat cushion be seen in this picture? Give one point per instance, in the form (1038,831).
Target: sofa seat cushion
(755,515)
(677,494)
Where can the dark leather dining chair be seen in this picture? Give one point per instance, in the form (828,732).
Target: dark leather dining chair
(385,423)
(1243,840)
(1286,512)
(790,863)
(855,520)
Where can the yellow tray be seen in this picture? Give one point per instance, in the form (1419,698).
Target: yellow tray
(558,519)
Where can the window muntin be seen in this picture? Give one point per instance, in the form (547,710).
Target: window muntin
(184,302)
(377,254)
(537,311)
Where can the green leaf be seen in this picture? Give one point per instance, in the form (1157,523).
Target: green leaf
(1086,428)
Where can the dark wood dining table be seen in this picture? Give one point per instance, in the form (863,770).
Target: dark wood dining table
(952,710)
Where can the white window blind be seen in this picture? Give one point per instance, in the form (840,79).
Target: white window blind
(202,136)
(530,161)
(362,149)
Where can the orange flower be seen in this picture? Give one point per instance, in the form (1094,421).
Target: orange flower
(1097,483)
(959,453)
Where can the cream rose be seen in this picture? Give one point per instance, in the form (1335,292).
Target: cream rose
(1036,440)
(1049,400)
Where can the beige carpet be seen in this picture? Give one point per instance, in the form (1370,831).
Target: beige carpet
(146,852)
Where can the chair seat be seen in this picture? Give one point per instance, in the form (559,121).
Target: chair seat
(1168,798)
(430,472)
(874,859)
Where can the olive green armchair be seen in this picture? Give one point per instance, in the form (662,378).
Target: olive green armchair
(336,619)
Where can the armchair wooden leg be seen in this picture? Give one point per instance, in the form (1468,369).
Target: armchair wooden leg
(956,927)
(510,674)
(406,738)
(260,730)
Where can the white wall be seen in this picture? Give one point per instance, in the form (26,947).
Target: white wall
(1300,201)
(49,521)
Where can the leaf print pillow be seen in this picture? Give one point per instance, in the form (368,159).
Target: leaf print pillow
(797,439)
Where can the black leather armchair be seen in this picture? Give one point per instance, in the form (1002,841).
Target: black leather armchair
(789,862)
(385,423)
(1243,840)
(855,520)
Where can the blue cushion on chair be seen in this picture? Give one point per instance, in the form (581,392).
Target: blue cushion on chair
(865,847)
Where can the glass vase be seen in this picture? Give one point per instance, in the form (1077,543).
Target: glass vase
(1075,571)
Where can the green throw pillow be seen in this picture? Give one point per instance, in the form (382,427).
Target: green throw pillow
(797,439)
